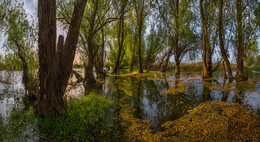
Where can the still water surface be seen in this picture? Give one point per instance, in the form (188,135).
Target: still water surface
(156,97)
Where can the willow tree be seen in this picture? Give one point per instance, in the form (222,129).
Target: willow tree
(226,63)
(120,31)
(141,11)
(244,28)
(207,15)
(99,15)
(155,44)
(178,18)
(20,41)
(54,72)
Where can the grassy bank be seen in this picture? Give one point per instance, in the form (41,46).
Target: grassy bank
(254,68)
(85,120)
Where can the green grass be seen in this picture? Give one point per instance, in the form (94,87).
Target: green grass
(254,68)
(85,120)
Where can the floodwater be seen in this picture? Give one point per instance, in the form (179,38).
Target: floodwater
(156,97)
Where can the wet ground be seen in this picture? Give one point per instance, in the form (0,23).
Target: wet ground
(156,97)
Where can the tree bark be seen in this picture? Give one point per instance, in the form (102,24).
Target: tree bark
(177,66)
(165,64)
(131,68)
(54,73)
(120,37)
(161,62)
(99,60)
(89,76)
(240,47)
(221,42)
(224,69)
(206,54)
(177,51)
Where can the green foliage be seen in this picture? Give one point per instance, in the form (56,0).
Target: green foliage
(12,62)
(19,126)
(155,44)
(85,120)
(254,68)
(252,51)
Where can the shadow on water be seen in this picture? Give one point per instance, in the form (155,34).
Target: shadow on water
(163,97)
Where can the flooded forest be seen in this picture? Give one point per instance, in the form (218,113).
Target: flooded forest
(129,70)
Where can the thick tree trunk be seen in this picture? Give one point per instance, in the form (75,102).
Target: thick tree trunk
(221,42)
(240,48)
(89,74)
(99,60)
(50,101)
(54,73)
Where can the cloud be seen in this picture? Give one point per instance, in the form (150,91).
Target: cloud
(30,6)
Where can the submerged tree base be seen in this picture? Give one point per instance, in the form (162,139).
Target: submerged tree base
(211,121)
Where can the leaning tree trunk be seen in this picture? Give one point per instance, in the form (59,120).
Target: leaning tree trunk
(161,62)
(165,64)
(55,70)
(221,42)
(224,69)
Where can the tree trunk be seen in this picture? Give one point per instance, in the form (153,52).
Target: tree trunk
(54,73)
(140,28)
(165,64)
(132,60)
(206,54)
(160,64)
(89,74)
(140,58)
(120,39)
(221,42)
(99,60)
(177,66)
(224,69)
(149,66)
(177,50)
(240,48)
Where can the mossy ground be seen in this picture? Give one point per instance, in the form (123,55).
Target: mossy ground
(210,121)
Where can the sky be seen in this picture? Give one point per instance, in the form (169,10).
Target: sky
(31,8)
